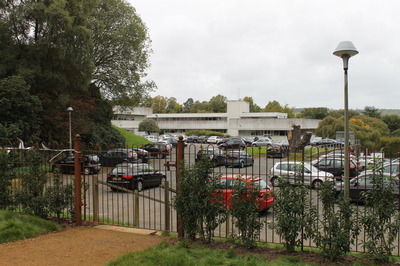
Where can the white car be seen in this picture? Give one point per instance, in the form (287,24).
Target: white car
(213,139)
(294,172)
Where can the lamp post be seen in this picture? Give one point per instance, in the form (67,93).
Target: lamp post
(70,110)
(345,50)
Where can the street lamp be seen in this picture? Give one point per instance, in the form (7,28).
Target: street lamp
(345,50)
(70,110)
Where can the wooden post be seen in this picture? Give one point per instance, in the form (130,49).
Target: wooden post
(78,179)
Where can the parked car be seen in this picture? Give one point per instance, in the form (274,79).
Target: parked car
(217,156)
(191,139)
(135,176)
(90,165)
(335,166)
(157,149)
(295,171)
(214,139)
(226,187)
(232,143)
(117,156)
(143,155)
(262,142)
(201,139)
(276,150)
(238,158)
(365,182)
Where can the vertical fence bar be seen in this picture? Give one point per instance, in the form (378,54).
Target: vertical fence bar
(167,207)
(135,209)
(77,183)
(95,195)
(179,166)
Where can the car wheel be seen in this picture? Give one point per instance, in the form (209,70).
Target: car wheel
(86,171)
(274,181)
(254,145)
(140,160)
(139,186)
(316,184)
(162,181)
(241,164)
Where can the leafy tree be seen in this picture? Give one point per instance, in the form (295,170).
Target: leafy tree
(149,125)
(392,121)
(120,54)
(217,104)
(372,112)
(340,113)
(200,107)
(274,106)
(187,106)
(314,113)
(173,106)
(158,103)
(253,107)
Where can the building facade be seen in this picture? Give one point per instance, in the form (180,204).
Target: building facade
(237,121)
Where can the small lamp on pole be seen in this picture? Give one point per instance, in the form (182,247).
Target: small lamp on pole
(70,110)
(345,50)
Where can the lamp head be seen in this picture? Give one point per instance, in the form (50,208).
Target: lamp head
(69,109)
(345,48)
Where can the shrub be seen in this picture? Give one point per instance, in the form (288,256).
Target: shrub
(6,175)
(198,203)
(381,218)
(339,227)
(294,213)
(246,212)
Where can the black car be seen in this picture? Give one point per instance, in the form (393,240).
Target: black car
(233,143)
(155,149)
(135,176)
(90,165)
(143,155)
(277,150)
(117,156)
(216,156)
(335,166)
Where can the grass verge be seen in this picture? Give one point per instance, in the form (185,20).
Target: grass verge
(15,226)
(132,140)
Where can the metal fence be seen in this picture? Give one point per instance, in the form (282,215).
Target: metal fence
(97,200)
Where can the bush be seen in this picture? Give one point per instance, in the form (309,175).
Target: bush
(294,213)
(339,228)
(381,218)
(198,203)
(6,175)
(246,213)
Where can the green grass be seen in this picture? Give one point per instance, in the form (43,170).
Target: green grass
(131,140)
(15,226)
(183,254)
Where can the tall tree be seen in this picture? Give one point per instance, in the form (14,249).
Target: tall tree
(372,112)
(217,104)
(392,121)
(275,106)
(314,113)
(187,106)
(173,106)
(253,107)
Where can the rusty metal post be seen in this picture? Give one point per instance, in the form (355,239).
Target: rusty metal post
(78,179)
(179,167)
(95,193)
(136,209)
(167,209)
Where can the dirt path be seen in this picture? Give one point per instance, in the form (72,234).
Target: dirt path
(77,246)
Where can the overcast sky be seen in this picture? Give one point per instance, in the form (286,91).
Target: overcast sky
(275,50)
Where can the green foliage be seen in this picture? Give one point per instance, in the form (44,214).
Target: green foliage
(199,203)
(274,106)
(148,125)
(314,113)
(246,212)
(294,213)
(217,104)
(131,140)
(15,226)
(372,112)
(392,121)
(254,108)
(391,146)
(60,197)
(6,175)
(30,196)
(202,132)
(381,219)
(339,227)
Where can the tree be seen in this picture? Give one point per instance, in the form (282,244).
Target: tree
(148,125)
(173,106)
(340,113)
(392,121)
(372,112)
(274,106)
(217,104)
(253,107)
(187,106)
(314,113)
(120,54)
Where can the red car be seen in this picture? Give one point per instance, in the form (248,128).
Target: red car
(264,201)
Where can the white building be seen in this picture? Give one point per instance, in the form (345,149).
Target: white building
(237,121)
